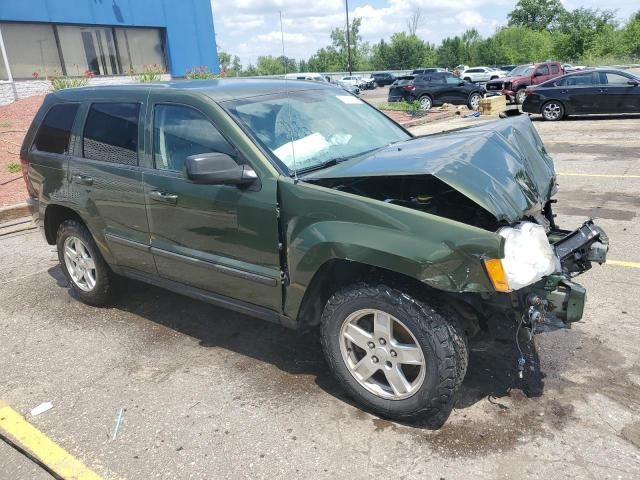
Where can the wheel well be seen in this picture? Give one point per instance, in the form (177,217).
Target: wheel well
(54,215)
(337,274)
(426,95)
(564,109)
(468,79)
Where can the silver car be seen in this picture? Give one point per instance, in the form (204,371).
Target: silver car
(481,74)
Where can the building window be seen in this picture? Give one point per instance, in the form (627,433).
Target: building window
(139,47)
(55,131)
(31,49)
(111,133)
(41,50)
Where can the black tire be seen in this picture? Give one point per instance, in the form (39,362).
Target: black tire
(426,102)
(99,294)
(438,339)
(552,111)
(474,95)
(520,96)
(493,78)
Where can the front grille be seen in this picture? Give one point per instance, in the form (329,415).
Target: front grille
(494,86)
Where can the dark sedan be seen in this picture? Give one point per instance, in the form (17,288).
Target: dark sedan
(434,89)
(583,93)
(383,79)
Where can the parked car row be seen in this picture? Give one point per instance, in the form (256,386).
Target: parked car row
(514,84)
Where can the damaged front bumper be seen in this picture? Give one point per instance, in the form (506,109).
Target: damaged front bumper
(575,252)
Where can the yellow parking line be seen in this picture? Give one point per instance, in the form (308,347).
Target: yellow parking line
(601,175)
(41,447)
(620,263)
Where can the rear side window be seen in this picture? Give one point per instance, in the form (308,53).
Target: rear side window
(55,130)
(543,70)
(179,132)
(554,68)
(111,133)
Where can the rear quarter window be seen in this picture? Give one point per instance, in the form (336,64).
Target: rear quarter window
(55,130)
(111,133)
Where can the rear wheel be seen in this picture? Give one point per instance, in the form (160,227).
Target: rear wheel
(394,354)
(552,111)
(425,102)
(520,96)
(82,263)
(474,101)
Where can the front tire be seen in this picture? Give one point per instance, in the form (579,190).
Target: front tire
(88,274)
(394,354)
(520,96)
(552,111)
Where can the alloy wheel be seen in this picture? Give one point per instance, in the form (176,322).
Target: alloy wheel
(79,263)
(474,101)
(382,354)
(520,96)
(552,111)
(425,103)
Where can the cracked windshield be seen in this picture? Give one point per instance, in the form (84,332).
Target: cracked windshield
(315,127)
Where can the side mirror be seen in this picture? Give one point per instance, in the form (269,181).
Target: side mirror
(218,169)
(633,83)
(461,82)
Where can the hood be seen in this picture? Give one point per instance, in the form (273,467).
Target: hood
(502,166)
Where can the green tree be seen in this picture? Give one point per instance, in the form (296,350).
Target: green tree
(402,52)
(522,44)
(359,49)
(270,65)
(631,36)
(578,30)
(536,14)
(229,64)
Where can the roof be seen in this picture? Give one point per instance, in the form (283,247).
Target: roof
(218,89)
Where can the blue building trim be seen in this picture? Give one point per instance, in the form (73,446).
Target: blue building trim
(188,24)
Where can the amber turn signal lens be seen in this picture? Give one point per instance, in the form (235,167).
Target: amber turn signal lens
(497,275)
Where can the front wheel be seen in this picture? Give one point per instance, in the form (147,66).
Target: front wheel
(394,354)
(520,96)
(425,102)
(82,263)
(552,111)
(474,101)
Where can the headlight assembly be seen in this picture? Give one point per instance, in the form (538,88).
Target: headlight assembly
(528,257)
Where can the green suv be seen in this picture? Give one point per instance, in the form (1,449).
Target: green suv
(300,204)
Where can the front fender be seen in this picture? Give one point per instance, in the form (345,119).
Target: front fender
(322,224)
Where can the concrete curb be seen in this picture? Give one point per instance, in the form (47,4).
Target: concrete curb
(14,211)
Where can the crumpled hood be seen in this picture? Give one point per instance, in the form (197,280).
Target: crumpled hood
(502,166)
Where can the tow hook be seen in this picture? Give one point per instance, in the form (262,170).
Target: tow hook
(534,316)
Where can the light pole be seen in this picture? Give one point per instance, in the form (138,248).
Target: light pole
(346,8)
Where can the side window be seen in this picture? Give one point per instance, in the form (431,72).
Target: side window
(451,79)
(111,133)
(179,132)
(55,130)
(543,70)
(584,79)
(616,78)
(554,69)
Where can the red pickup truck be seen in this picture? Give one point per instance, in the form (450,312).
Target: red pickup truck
(514,84)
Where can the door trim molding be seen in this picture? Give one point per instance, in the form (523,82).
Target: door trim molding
(255,277)
(127,243)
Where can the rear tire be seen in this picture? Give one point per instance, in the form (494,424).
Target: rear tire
(362,356)
(88,274)
(425,102)
(552,111)
(474,101)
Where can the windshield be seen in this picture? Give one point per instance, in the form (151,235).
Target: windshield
(522,70)
(314,126)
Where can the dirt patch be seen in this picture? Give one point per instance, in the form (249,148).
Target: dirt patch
(15,119)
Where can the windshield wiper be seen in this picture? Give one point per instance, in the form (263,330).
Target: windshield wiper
(312,168)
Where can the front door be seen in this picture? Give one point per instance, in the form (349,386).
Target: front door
(455,93)
(582,93)
(618,95)
(219,238)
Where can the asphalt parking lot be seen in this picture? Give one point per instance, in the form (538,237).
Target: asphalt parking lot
(208,393)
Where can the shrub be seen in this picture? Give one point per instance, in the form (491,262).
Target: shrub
(151,73)
(412,108)
(13,167)
(200,73)
(61,82)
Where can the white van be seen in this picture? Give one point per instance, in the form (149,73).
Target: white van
(312,76)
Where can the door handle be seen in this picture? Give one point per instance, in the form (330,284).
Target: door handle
(164,197)
(603,90)
(82,179)
(564,91)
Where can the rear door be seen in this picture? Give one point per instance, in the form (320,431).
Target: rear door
(218,238)
(582,93)
(106,179)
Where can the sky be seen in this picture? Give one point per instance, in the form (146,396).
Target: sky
(250,28)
